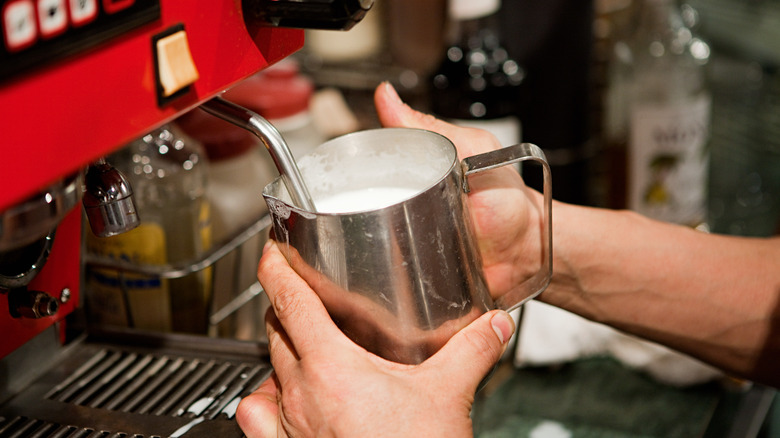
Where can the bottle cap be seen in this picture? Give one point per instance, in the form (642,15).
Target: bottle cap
(275,93)
(471,9)
(220,139)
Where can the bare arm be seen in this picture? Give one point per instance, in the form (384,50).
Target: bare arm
(714,297)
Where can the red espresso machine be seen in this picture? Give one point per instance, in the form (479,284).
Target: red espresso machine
(79,79)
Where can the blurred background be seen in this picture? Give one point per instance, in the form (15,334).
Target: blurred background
(667,107)
(564,49)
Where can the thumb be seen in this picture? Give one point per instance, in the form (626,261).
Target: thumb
(472,352)
(394,113)
(258,413)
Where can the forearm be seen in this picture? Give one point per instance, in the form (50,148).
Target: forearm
(713,297)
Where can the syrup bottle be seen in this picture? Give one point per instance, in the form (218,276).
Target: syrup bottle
(657,122)
(168,173)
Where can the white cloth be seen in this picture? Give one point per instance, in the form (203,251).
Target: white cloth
(549,335)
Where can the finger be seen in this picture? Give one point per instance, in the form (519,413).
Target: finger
(393,112)
(306,322)
(472,352)
(284,358)
(258,413)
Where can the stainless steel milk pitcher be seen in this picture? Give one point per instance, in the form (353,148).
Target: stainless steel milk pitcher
(398,279)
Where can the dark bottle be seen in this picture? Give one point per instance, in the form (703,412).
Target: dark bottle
(552,40)
(478,83)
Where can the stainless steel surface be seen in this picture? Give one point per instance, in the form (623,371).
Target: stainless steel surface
(33,304)
(515,154)
(108,201)
(187,267)
(134,384)
(20,265)
(307,14)
(224,320)
(273,142)
(35,217)
(236,303)
(398,280)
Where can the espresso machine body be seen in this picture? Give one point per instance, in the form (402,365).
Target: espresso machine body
(79,79)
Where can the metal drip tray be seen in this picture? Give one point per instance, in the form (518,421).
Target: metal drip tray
(139,386)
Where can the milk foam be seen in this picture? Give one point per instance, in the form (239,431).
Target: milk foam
(363,199)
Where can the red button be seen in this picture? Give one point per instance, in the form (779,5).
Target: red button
(83,11)
(20,28)
(52,17)
(112,6)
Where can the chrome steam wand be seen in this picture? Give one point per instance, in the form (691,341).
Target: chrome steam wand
(273,142)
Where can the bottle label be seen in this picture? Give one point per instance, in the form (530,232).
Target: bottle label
(206,238)
(506,129)
(669,160)
(146,304)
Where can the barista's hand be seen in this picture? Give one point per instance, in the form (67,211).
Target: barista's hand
(326,385)
(506,214)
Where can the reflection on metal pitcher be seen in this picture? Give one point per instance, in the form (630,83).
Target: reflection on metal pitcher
(399,275)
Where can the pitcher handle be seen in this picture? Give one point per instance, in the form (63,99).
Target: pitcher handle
(502,157)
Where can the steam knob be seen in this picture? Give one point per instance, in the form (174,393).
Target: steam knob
(25,303)
(306,14)
(108,201)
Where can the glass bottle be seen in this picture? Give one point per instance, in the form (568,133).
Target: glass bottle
(478,83)
(239,168)
(657,121)
(282,95)
(552,40)
(168,174)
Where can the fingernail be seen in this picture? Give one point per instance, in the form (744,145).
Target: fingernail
(503,325)
(392,93)
(267,245)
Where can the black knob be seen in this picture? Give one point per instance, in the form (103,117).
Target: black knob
(24,303)
(306,14)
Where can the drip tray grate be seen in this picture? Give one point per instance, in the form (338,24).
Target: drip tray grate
(26,427)
(154,387)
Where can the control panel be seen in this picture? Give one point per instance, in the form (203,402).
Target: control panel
(104,72)
(37,32)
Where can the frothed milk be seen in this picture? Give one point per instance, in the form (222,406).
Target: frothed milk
(363,199)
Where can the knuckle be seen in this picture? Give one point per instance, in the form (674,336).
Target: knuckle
(426,119)
(473,141)
(483,137)
(485,346)
(287,303)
